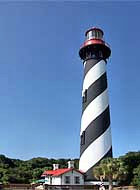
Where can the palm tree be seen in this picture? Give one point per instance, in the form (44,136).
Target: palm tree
(110,169)
(98,173)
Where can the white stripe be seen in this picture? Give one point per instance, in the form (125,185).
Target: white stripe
(94,109)
(96,151)
(93,74)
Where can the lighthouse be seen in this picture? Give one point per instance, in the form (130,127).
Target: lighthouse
(95,133)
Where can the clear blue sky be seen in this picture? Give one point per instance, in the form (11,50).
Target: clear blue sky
(41,75)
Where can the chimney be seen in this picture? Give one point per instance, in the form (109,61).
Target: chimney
(71,164)
(55,166)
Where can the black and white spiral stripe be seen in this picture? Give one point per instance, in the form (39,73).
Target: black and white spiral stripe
(95,122)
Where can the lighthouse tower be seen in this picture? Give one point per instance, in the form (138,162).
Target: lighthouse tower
(95,131)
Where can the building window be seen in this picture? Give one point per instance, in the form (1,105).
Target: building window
(83,138)
(77,180)
(67,179)
(84,96)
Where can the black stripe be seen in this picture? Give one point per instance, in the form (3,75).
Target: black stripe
(95,90)
(95,129)
(89,173)
(89,64)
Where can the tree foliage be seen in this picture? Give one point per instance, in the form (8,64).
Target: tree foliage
(128,164)
(131,161)
(136,179)
(110,169)
(19,171)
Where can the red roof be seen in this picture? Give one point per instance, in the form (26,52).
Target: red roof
(59,171)
(48,172)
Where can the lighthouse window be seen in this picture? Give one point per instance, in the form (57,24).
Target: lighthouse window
(100,35)
(89,36)
(97,34)
(100,54)
(85,96)
(93,33)
(83,138)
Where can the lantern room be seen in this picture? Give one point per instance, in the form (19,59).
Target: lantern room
(94,33)
(94,46)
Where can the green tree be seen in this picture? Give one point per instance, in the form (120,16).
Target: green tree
(76,163)
(5,162)
(37,173)
(136,179)
(131,161)
(110,169)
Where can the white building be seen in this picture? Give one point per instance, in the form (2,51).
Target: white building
(66,176)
